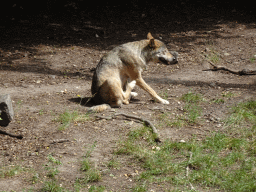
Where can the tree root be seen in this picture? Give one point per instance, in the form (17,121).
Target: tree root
(147,122)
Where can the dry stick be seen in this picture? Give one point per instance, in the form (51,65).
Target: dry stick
(147,122)
(11,135)
(241,72)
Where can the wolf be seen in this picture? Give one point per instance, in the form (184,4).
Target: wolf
(119,71)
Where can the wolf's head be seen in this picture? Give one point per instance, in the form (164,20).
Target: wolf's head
(159,51)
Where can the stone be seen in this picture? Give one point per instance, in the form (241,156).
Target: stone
(6,110)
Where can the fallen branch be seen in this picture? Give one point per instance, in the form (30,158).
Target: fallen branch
(240,72)
(147,122)
(11,135)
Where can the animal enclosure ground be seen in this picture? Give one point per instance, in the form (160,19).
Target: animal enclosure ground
(47,63)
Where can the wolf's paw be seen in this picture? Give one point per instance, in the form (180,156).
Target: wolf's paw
(132,84)
(164,102)
(134,94)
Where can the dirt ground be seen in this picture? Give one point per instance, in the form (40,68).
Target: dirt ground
(47,60)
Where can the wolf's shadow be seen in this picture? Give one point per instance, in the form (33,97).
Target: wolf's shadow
(86,101)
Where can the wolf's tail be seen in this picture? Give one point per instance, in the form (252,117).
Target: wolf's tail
(99,108)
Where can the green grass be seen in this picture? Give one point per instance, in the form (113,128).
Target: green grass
(252,59)
(191,114)
(217,162)
(94,188)
(191,97)
(10,171)
(90,172)
(241,113)
(69,117)
(192,107)
(220,162)
(227,94)
(51,166)
(53,160)
(52,186)
(213,57)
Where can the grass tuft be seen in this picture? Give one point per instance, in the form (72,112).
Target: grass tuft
(241,113)
(68,117)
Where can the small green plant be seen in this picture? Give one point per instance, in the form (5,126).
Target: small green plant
(193,113)
(52,186)
(94,188)
(52,172)
(218,101)
(241,113)
(252,59)
(113,163)
(227,94)
(41,112)
(10,171)
(51,166)
(68,117)
(35,178)
(213,57)
(53,160)
(85,165)
(193,110)
(139,188)
(178,121)
(191,97)
(90,174)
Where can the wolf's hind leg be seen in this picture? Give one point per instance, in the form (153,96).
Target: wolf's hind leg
(111,93)
(128,93)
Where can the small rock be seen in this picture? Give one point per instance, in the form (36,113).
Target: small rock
(182,141)
(52,76)
(226,54)
(213,84)
(207,49)
(6,110)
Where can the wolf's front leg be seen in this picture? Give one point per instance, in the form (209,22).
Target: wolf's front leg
(141,83)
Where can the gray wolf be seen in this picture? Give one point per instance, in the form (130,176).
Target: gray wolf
(120,70)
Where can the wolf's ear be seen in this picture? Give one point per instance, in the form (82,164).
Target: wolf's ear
(151,41)
(149,36)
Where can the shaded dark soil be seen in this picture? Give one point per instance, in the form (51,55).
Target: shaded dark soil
(47,58)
